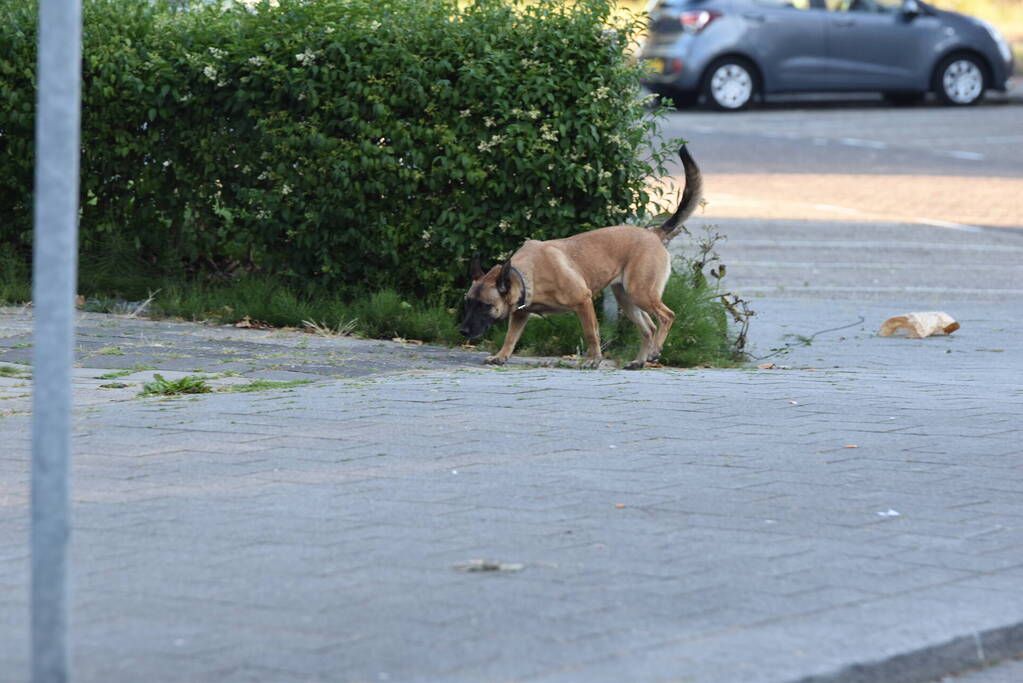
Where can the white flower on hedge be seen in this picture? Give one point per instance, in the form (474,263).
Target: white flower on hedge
(534,114)
(604,175)
(210,73)
(493,142)
(306,58)
(262,214)
(258,60)
(552,202)
(427,234)
(488,121)
(217,53)
(374,26)
(548,133)
(263,176)
(328,30)
(465,113)
(588,168)
(602,93)
(166,163)
(286,190)
(504,225)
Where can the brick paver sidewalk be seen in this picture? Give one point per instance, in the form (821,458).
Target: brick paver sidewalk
(854,514)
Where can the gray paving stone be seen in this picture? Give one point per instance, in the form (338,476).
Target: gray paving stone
(314,535)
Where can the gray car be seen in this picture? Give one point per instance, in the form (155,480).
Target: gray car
(732,51)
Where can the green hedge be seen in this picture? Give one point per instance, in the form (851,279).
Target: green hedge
(360,144)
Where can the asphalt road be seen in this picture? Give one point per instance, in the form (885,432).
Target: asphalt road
(861,136)
(855,199)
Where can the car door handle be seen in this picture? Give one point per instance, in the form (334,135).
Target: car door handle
(753,16)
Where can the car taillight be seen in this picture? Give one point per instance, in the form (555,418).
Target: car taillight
(694,22)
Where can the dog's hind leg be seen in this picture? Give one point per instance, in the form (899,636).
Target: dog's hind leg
(665,318)
(645,288)
(641,320)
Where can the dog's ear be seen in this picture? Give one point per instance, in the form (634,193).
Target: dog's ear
(504,278)
(475,269)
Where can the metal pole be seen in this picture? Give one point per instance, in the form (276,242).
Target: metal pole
(54,275)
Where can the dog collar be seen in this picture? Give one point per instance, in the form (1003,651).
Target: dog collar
(522,290)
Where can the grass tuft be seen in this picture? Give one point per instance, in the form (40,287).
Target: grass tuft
(189,384)
(267,385)
(11,371)
(117,374)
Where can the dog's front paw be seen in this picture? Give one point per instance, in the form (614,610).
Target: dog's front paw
(496,360)
(635,365)
(591,363)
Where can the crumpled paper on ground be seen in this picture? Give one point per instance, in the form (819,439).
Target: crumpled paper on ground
(919,325)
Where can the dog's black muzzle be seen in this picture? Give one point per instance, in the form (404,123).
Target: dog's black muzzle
(477,319)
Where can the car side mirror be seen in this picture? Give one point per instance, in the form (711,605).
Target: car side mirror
(910,8)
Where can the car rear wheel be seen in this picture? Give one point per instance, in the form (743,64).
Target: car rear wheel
(730,84)
(959,80)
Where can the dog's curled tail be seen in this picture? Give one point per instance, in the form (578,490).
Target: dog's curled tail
(690,197)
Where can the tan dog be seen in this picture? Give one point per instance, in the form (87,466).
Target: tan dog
(564,275)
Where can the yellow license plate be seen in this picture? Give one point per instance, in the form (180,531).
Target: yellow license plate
(656,65)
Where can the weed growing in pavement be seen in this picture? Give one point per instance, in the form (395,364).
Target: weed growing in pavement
(266,385)
(9,371)
(342,329)
(183,385)
(117,374)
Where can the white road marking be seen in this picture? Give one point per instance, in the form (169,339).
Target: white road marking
(969,156)
(946,224)
(857,142)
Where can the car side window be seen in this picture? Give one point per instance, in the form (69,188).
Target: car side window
(858,6)
(791,4)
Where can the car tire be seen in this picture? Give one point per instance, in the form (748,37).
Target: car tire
(904,99)
(730,84)
(959,80)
